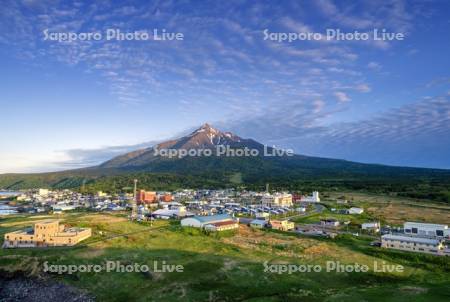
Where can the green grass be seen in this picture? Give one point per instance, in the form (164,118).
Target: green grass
(229,266)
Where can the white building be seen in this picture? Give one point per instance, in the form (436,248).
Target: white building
(63,207)
(371,226)
(354,210)
(413,244)
(263,216)
(171,213)
(43,192)
(426,229)
(312,198)
(330,222)
(258,224)
(202,221)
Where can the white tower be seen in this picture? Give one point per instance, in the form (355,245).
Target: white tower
(316,196)
(134,205)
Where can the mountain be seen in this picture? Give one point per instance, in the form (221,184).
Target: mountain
(204,138)
(156,169)
(252,168)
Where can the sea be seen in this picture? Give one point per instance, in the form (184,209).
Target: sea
(6,209)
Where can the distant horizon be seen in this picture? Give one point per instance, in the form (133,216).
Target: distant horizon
(131,148)
(359,81)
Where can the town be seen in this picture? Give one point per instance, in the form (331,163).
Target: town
(218,211)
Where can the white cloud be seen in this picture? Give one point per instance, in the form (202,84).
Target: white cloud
(363,88)
(342,97)
(374,65)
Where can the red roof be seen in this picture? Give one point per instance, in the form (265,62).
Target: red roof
(228,222)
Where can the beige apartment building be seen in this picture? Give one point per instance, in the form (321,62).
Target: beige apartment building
(282,225)
(413,244)
(46,233)
(277,200)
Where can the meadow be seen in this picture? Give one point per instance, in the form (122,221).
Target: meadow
(225,267)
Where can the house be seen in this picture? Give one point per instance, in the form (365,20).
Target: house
(221,226)
(371,226)
(354,210)
(413,244)
(202,221)
(282,225)
(331,222)
(46,233)
(426,229)
(258,224)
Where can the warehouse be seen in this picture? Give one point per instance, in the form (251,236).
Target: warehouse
(426,229)
(202,221)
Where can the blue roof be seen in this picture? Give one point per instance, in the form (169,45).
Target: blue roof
(257,221)
(212,218)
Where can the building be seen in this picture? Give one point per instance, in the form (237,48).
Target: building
(312,198)
(146,197)
(211,220)
(426,229)
(59,208)
(222,226)
(177,212)
(356,211)
(282,225)
(101,194)
(331,222)
(46,233)
(43,192)
(277,200)
(258,224)
(262,216)
(166,197)
(371,226)
(413,244)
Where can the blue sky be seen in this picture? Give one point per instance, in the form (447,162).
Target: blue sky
(70,104)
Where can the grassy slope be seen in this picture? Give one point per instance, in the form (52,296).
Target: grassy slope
(230,268)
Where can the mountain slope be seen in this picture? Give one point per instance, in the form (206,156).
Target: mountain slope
(294,172)
(206,137)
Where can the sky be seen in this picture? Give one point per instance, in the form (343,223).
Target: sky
(69,104)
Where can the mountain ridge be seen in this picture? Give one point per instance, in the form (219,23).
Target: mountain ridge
(291,172)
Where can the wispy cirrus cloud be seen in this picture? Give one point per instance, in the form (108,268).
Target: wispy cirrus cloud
(416,134)
(225,68)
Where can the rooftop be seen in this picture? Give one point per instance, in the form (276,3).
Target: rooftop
(430,225)
(410,239)
(47,221)
(212,218)
(221,223)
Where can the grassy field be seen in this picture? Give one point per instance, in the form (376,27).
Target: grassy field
(394,210)
(227,267)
